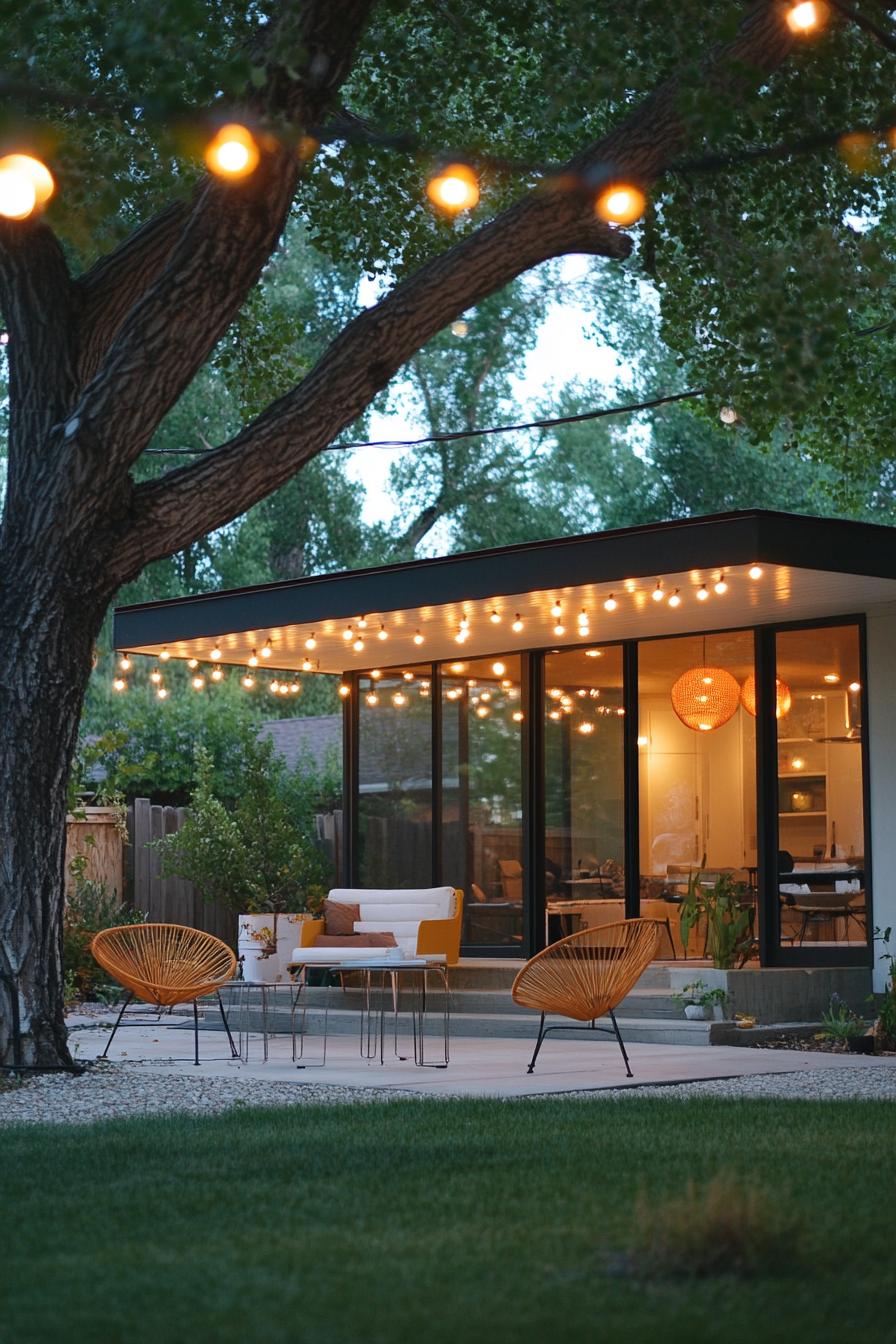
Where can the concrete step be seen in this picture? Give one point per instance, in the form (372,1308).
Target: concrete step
(493,973)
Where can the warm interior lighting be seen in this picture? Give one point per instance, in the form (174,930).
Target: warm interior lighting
(797,763)
(806,17)
(621,203)
(705,698)
(344,690)
(643,741)
(556,611)
(25,185)
(518,716)
(586,728)
(362,622)
(233,152)
(375,674)
(831,678)
(593,653)
(482,711)
(274,687)
(755,572)
(408,676)
(783,698)
(454,188)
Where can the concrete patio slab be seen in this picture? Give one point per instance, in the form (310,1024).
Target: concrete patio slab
(479,1067)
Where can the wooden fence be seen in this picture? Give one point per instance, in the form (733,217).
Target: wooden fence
(95,834)
(172,900)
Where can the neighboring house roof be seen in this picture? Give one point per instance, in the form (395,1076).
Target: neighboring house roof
(314,735)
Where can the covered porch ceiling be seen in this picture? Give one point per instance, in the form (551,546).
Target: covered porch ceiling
(496,601)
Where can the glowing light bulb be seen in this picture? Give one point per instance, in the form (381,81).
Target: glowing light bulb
(418,638)
(494,617)
(461,637)
(454,188)
(855,685)
(499,669)
(274,687)
(25,185)
(805,18)
(362,622)
(216,653)
(408,676)
(399,699)
(720,586)
(307,665)
(348,634)
(583,617)
(232,153)
(755,571)
(559,630)
(162,693)
(675,599)
(586,728)
(611,604)
(119,684)
(155,676)
(517,716)
(192,662)
(358,644)
(283,688)
(375,674)
(294,687)
(253,659)
(217,674)
(482,711)
(702,593)
(556,611)
(344,690)
(643,741)
(198,683)
(311,642)
(831,678)
(248,682)
(517,626)
(124,662)
(382,633)
(372,698)
(657,593)
(267,650)
(164,656)
(621,203)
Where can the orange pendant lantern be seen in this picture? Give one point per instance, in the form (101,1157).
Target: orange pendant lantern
(705,698)
(783,698)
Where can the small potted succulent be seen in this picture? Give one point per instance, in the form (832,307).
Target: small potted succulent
(840,1023)
(700,1002)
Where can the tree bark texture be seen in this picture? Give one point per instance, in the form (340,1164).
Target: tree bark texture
(95,364)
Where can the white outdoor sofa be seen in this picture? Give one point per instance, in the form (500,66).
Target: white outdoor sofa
(423,922)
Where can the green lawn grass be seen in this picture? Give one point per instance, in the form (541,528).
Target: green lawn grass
(439,1222)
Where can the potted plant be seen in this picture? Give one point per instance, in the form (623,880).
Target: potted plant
(699,1001)
(252,856)
(840,1023)
(884,1030)
(728,914)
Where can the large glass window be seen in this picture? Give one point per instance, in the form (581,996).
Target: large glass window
(584,878)
(821,875)
(395,779)
(697,771)
(482,796)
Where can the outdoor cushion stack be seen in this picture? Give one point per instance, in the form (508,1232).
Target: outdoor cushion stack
(385,918)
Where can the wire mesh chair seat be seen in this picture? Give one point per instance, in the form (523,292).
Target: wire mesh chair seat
(165,964)
(586,975)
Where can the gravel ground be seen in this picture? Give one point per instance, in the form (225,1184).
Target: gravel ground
(108,1091)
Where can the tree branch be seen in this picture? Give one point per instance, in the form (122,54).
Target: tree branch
(547,222)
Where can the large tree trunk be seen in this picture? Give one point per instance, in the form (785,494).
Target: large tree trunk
(49,619)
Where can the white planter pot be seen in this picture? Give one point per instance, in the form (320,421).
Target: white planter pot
(695,1012)
(264,944)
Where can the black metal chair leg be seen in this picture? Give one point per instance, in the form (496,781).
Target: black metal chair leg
(537,1044)
(127,998)
(671,940)
(621,1046)
(196,1030)
(233,1050)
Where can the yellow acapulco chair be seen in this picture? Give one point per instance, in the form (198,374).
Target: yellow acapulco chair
(165,964)
(586,975)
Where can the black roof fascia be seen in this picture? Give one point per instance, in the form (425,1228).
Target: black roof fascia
(720,540)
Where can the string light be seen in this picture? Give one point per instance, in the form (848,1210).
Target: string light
(517,626)
(192,662)
(499,669)
(518,716)
(295,686)
(611,604)
(382,633)
(362,622)
(557,610)
(247,682)
(253,659)
(358,644)
(217,674)
(559,630)
(807,17)
(274,686)
(124,662)
(755,571)
(586,728)
(216,653)
(418,638)
(454,188)
(311,642)
(657,593)
(720,586)
(232,153)
(482,711)
(621,203)
(307,665)
(155,676)
(348,634)
(702,593)
(267,650)
(26,185)
(375,674)
(408,676)
(372,699)
(119,684)
(675,599)
(162,693)
(399,699)
(198,683)
(164,656)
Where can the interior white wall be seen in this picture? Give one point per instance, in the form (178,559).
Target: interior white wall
(881,697)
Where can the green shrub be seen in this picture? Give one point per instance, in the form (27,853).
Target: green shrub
(89,908)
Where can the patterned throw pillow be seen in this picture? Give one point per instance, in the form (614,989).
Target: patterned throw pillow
(339,918)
